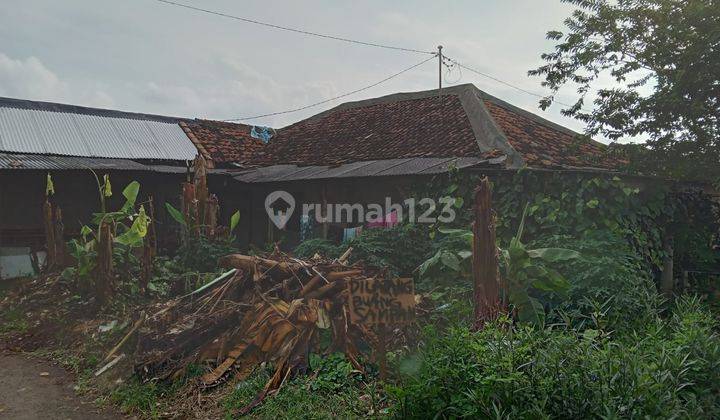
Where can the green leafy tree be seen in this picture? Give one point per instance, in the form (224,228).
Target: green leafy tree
(664,56)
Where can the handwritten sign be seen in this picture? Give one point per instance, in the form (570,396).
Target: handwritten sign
(380,301)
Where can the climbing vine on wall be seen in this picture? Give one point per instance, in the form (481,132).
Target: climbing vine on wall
(564,203)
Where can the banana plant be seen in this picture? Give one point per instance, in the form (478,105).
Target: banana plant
(525,269)
(127,235)
(452,261)
(180,218)
(522,270)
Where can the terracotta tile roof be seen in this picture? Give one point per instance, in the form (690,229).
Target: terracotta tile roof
(223,142)
(464,122)
(424,127)
(541,145)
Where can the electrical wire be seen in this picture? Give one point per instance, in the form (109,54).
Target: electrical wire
(299,31)
(537,95)
(336,97)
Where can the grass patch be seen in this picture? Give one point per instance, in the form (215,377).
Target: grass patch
(135,397)
(302,398)
(14,321)
(146,398)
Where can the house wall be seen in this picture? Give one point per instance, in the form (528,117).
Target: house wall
(335,191)
(363,191)
(22,194)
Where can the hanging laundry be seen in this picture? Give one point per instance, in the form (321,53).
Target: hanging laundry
(306,226)
(390,220)
(350,233)
(263,133)
(377,223)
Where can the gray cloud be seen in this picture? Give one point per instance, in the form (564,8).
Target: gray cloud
(140,55)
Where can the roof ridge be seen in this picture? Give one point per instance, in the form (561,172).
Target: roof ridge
(393,97)
(6,102)
(488,134)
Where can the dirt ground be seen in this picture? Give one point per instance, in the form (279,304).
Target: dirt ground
(34,389)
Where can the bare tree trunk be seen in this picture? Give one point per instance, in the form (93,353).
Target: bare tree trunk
(201,189)
(486,286)
(149,249)
(190,209)
(103,267)
(59,228)
(49,235)
(211,211)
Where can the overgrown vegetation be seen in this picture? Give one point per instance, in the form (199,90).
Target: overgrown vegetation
(377,247)
(668,369)
(333,389)
(587,334)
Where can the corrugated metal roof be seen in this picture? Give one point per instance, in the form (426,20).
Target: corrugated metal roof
(21,161)
(44,162)
(71,134)
(371,168)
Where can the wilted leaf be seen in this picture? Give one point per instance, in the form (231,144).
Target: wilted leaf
(106,188)
(464,254)
(50,187)
(234,220)
(553,254)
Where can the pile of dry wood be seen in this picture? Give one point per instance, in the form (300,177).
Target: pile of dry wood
(263,310)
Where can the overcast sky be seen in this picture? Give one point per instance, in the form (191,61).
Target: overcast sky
(146,56)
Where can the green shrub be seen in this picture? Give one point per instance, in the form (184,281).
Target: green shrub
(333,373)
(324,247)
(671,368)
(608,284)
(201,254)
(334,393)
(401,249)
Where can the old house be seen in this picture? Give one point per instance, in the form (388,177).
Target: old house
(74,144)
(358,152)
(364,151)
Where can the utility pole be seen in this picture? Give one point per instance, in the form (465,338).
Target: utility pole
(440,57)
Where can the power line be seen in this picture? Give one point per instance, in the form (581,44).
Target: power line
(299,31)
(336,97)
(537,95)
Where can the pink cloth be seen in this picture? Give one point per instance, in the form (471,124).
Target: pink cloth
(390,220)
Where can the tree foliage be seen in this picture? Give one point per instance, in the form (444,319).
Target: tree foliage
(664,56)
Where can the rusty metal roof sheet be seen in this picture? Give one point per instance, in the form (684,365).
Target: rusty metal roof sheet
(372,168)
(44,162)
(22,161)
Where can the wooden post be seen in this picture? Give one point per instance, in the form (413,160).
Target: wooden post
(486,285)
(440,59)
